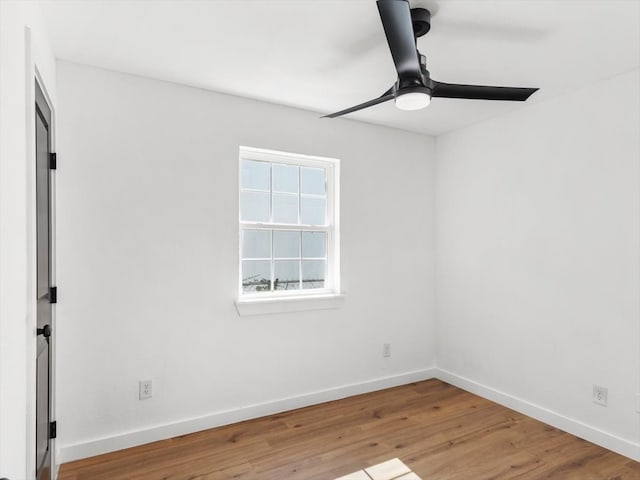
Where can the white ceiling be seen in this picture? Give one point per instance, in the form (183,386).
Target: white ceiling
(326,55)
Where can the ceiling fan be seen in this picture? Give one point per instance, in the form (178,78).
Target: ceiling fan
(414,88)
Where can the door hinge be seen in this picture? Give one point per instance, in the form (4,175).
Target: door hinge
(53,161)
(53,429)
(53,294)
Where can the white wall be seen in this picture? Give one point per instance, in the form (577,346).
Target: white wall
(24,52)
(537,241)
(147,248)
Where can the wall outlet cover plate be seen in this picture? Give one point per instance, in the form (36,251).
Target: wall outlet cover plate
(600,395)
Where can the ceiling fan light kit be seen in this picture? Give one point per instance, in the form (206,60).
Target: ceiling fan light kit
(415,88)
(412,100)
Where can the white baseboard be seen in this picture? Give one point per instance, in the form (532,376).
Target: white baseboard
(575,427)
(68,453)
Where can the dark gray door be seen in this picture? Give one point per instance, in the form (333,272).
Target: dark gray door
(44,291)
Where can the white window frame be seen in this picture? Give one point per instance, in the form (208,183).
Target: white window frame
(332,229)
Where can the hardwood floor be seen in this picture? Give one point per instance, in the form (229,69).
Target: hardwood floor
(439,431)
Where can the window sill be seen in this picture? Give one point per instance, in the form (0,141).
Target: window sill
(265,306)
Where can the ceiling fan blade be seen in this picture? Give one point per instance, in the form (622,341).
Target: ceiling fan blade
(386,96)
(398,27)
(481,92)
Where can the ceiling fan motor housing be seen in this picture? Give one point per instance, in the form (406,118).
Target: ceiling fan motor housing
(420,83)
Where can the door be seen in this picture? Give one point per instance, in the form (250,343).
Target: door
(44,291)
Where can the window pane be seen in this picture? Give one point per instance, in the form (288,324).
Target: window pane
(312,180)
(256,275)
(256,244)
(313,244)
(286,244)
(313,274)
(287,275)
(312,210)
(285,208)
(256,175)
(285,178)
(254,207)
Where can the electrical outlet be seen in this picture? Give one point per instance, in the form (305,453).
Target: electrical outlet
(600,395)
(145,389)
(637,402)
(386,350)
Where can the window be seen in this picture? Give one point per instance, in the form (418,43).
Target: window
(289,234)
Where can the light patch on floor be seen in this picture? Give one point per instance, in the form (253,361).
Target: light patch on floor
(389,470)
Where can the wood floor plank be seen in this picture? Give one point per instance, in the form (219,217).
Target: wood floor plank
(439,431)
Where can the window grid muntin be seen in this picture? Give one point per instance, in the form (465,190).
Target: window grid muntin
(300,258)
(331,170)
(299,194)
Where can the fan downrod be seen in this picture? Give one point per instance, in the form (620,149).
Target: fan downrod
(421,19)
